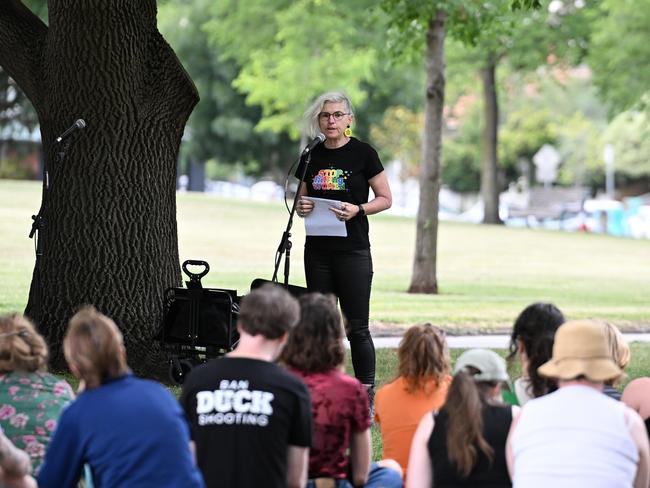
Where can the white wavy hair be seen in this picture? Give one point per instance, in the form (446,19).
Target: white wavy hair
(311,115)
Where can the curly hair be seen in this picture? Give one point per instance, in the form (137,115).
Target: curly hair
(21,347)
(535,330)
(423,355)
(316,345)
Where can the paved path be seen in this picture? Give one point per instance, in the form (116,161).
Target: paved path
(488,341)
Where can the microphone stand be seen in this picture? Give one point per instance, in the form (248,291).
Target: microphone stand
(285,242)
(39,225)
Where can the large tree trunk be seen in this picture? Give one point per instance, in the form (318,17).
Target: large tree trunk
(423,279)
(110,235)
(489,180)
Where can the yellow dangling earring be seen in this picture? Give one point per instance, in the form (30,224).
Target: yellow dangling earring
(347,132)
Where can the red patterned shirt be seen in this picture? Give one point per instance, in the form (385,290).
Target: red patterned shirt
(339,408)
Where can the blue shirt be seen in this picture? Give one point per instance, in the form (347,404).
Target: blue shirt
(132,433)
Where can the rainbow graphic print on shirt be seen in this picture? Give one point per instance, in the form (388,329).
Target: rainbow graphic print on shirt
(330,179)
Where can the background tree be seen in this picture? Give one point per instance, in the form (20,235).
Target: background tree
(221,129)
(619,53)
(299,49)
(413,23)
(110,237)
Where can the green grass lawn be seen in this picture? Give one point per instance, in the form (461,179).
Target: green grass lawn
(486,274)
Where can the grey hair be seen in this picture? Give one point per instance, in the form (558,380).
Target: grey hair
(311,115)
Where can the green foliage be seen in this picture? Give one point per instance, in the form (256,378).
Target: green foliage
(399,136)
(13,168)
(521,136)
(620,51)
(221,127)
(630,134)
(298,50)
(461,165)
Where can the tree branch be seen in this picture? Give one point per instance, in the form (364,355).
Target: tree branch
(22,35)
(173,85)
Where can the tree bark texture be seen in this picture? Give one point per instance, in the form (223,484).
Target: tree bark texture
(423,278)
(110,238)
(489,169)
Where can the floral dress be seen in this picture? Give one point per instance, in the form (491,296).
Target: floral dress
(30,404)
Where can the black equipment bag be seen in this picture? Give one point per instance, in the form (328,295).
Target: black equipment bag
(197,316)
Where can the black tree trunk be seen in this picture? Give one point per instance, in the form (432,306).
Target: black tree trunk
(423,278)
(110,236)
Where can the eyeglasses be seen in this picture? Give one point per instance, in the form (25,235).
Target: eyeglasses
(327,115)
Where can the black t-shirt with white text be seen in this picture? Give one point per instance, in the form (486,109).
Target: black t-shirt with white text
(244,414)
(342,174)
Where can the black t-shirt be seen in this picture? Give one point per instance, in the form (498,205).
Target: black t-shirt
(342,174)
(496,424)
(244,413)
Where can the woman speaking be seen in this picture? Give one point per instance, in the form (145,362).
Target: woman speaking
(344,169)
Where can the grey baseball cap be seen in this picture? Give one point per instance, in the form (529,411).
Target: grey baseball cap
(492,367)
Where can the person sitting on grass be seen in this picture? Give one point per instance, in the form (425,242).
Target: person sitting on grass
(577,437)
(14,466)
(130,431)
(250,418)
(464,443)
(315,353)
(31,399)
(532,343)
(421,386)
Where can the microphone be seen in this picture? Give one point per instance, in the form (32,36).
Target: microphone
(78,125)
(317,140)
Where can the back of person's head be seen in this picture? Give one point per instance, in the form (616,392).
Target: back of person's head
(269,311)
(581,352)
(534,330)
(423,355)
(315,344)
(618,347)
(94,348)
(21,347)
(476,374)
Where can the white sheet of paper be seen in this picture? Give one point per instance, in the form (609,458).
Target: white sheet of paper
(322,221)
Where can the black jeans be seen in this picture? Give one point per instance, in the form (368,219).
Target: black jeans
(348,275)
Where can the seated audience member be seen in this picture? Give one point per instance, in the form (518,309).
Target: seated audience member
(464,443)
(423,368)
(636,395)
(129,431)
(315,353)
(576,436)
(532,343)
(14,466)
(31,399)
(250,418)
(620,354)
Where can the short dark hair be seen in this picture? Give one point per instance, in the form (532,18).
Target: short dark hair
(269,310)
(315,345)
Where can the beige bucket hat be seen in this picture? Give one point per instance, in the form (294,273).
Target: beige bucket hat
(581,349)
